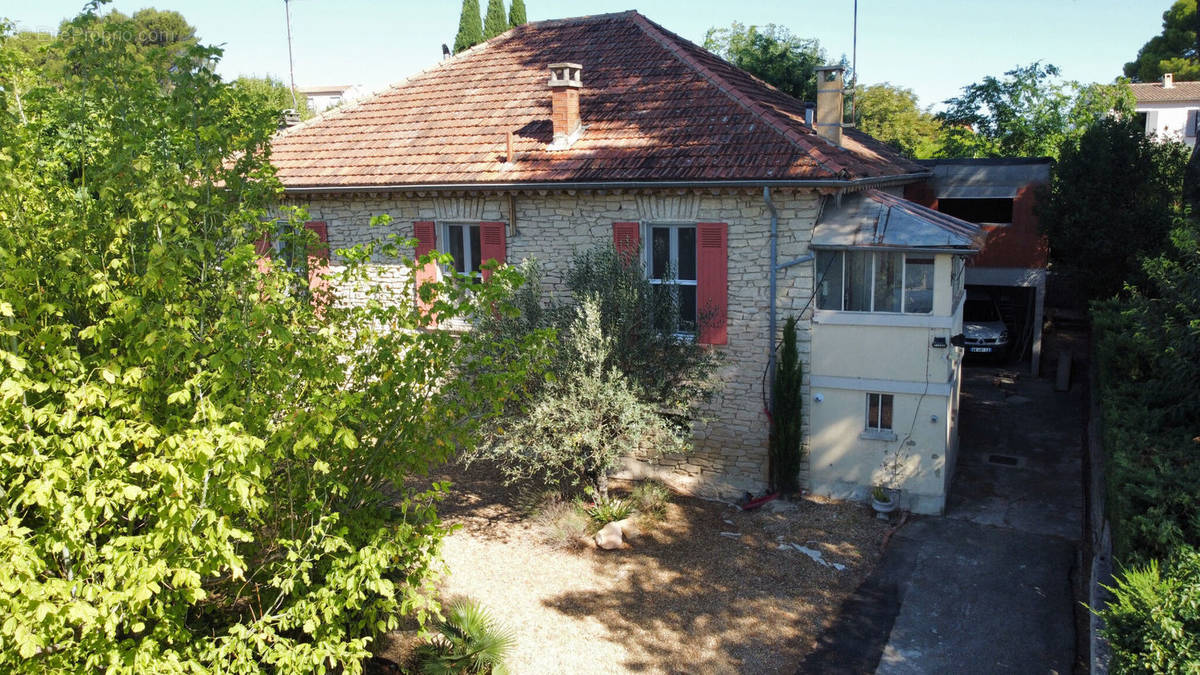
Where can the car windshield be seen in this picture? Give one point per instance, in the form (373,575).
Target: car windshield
(980,310)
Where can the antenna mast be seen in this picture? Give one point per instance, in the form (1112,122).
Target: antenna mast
(854,64)
(287,10)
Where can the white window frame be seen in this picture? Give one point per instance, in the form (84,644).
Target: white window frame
(874,272)
(672,257)
(444,237)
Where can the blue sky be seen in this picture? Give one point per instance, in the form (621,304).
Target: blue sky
(933,47)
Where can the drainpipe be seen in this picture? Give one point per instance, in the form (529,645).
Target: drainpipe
(769,384)
(770,402)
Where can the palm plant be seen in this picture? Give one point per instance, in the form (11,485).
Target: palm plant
(468,642)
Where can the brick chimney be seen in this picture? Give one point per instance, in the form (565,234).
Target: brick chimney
(829,103)
(1168,80)
(566,79)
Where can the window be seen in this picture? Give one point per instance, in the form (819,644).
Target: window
(875,281)
(462,243)
(672,265)
(979,210)
(879,412)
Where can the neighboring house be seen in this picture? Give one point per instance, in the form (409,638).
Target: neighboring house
(1169,109)
(323,98)
(560,135)
(999,195)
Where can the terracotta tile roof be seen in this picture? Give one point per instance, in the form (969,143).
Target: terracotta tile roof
(655,106)
(1154,92)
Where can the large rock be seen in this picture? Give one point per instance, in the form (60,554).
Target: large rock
(629,529)
(609,537)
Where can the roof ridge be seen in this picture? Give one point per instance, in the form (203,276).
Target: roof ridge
(659,34)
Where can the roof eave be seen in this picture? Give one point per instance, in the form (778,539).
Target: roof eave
(847,183)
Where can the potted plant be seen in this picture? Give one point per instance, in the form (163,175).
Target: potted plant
(883,501)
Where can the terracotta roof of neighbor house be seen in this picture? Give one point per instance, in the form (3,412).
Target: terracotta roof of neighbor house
(1154,92)
(655,106)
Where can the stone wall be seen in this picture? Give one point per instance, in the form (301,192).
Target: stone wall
(731,448)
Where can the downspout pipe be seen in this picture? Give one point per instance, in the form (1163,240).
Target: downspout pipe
(773,283)
(774,278)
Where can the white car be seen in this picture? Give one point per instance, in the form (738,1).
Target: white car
(984,331)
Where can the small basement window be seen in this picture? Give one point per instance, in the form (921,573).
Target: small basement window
(990,211)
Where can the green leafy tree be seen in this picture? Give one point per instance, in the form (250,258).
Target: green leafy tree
(202,469)
(578,427)
(470,27)
(891,114)
(1029,112)
(1176,50)
(787,435)
(494,23)
(627,381)
(1112,198)
(273,94)
(516,13)
(1152,624)
(772,54)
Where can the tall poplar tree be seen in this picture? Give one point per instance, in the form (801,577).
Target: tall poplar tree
(494,23)
(516,13)
(470,27)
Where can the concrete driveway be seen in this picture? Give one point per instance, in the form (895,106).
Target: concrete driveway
(986,588)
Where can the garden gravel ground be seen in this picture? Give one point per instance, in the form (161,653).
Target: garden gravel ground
(709,588)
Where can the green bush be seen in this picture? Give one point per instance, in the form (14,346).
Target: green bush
(468,642)
(1153,622)
(786,443)
(605,509)
(650,498)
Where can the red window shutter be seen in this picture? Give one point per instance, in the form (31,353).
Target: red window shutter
(426,235)
(493,245)
(318,262)
(627,238)
(712,275)
(262,249)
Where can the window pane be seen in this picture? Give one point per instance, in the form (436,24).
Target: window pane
(858,281)
(918,285)
(475,248)
(872,411)
(687,253)
(829,276)
(660,252)
(687,307)
(885,411)
(887,281)
(456,247)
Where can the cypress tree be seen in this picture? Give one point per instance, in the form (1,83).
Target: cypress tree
(516,13)
(786,438)
(470,27)
(494,23)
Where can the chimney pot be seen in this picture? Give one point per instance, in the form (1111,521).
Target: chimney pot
(1168,80)
(830,91)
(566,79)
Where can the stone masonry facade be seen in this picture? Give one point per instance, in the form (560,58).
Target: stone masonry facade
(730,455)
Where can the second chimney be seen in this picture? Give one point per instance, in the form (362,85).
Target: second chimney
(1168,80)
(829,103)
(566,79)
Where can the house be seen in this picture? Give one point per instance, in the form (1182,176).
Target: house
(999,195)
(322,98)
(560,135)
(1169,108)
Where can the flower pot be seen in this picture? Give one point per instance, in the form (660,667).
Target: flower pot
(883,506)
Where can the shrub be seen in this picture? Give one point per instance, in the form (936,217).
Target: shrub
(650,498)
(468,642)
(1153,622)
(563,524)
(579,426)
(787,436)
(608,509)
